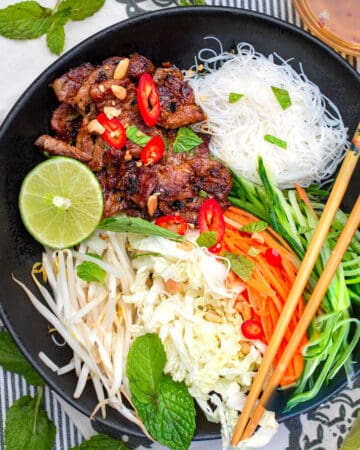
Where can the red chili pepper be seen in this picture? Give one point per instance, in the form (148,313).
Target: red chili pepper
(211,218)
(148,100)
(152,151)
(114,134)
(174,223)
(251,329)
(273,257)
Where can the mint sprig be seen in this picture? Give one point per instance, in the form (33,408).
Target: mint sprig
(28,426)
(13,360)
(165,406)
(30,20)
(241,265)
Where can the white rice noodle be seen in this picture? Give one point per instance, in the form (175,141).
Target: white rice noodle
(312,126)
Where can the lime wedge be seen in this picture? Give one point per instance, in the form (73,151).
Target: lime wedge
(60,202)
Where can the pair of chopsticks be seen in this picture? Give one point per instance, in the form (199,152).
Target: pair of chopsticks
(245,428)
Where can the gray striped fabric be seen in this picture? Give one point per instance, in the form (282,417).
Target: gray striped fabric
(13,386)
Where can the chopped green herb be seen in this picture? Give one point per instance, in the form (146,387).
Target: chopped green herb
(139,255)
(101,442)
(241,265)
(186,140)
(254,227)
(135,135)
(282,96)
(253,251)
(234,97)
(207,239)
(202,193)
(90,271)
(275,140)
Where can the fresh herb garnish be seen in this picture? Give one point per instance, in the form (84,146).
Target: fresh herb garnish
(29,20)
(138,226)
(235,97)
(13,360)
(275,140)
(28,426)
(101,442)
(186,140)
(241,265)
(135,135)
(254,227)
(207,239)
(165,406)
(282,96)
(192,2)
(202,193)
(90,271)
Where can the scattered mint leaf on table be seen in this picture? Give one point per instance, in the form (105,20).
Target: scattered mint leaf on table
(13,360)
(165,406)
(101,442)
(30,20)
(27,425)
(24,20)
(81,9)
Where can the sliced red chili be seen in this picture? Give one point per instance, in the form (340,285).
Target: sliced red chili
(148,100)
(273,257)
(152,151)
(114,134)
(174,223)
(211,218)
(251,329)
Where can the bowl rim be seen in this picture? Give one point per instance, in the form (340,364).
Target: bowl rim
(63,60)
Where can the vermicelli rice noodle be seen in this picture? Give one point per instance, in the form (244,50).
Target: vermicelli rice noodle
(311,127)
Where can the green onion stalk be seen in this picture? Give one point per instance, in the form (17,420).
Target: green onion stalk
(334,332)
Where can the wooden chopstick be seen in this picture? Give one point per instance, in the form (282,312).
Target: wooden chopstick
(309,312)
(306,267)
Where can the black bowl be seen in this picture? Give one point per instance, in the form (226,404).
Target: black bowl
(176,35)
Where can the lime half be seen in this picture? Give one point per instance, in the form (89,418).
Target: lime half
(61,202)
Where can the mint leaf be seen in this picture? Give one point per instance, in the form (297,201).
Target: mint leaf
(241,265)
(137,225)
(254,227)
(275,140)
(171,418)
(202,193)
(207,239)
(134,134)
(282,96)
(186,140)
(55,36)
(145,364)
(27,425)
(234,97)
(13,360)
(24,20)
(81,9)
(101,442)
(90,271)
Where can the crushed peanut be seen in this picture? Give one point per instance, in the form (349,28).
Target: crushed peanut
(121,69)
(111,112)
(152,203)
(118,91)
(212,316)
(95,127)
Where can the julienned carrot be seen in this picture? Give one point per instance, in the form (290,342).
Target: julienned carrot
(302,194)
(268,288)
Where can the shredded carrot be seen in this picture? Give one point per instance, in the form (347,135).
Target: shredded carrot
(302,194)
(268,287)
